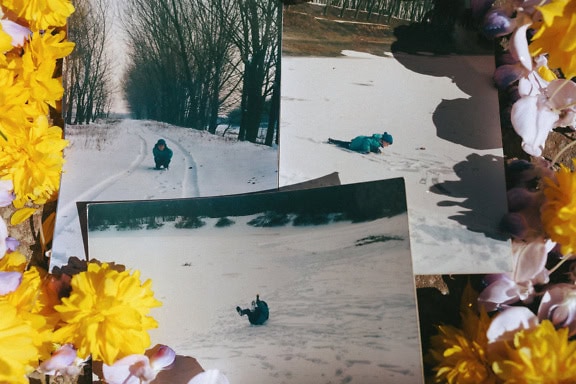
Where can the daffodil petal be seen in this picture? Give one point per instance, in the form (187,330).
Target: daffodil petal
(21,215)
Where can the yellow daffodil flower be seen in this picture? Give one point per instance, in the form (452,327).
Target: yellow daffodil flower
(106,314)
(32,157)
(41,14)
(539,355)
(18,346)
(556,35)
(559,209)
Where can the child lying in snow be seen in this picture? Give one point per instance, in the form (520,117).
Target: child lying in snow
(365,144)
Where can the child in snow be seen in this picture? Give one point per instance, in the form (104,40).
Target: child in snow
(162,154)
(365,144)
(258,314)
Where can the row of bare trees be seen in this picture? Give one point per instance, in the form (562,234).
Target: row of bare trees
(379,10)
(87,71)
(191,62)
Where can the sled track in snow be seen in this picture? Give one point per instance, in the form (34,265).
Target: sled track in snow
(69,210)
(189,183)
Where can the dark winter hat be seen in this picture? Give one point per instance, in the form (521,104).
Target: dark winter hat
(387,137)
(161,142)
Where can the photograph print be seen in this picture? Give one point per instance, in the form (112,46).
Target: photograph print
(382,89)
(304,286)
(169,99)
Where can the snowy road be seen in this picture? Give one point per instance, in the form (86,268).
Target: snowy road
(114,162)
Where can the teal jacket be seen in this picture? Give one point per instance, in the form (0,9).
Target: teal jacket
(366,144)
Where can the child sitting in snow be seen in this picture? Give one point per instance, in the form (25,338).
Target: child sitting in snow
(365,144)
(162,154)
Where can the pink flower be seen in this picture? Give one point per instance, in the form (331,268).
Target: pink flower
(9,282)
(139,369)
(504,326)
(559,306)
(529,270)
(64,361)
(6,193)
(18,32)
(542,108)
(3,236)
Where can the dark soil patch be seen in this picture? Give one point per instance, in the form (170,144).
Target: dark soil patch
(308,32)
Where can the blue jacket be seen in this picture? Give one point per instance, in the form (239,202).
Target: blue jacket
(164,155)
(366,144)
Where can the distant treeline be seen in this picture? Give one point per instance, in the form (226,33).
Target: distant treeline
(353,202)
(378,10)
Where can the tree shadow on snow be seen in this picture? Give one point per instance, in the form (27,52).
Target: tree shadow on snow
(449,50)
(484,203)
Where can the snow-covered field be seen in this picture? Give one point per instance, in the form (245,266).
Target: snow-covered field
(342,310)
(443,114)
(108,162)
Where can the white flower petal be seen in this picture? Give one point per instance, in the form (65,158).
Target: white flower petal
(531,85)
(561,93)
(530,261)
(18,33)
(500,292)
(64,357)
(519,47)
(6,193)
(508,322)
(161,357)
(3,236)
(9,282)
(533,122)
(132,369)
(559,305)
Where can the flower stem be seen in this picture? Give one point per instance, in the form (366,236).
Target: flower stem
(564,259)
(560,152)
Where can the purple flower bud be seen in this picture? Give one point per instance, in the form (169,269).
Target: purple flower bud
(12,244)
(497,23)
(515,225)
(520,198)
(507,74)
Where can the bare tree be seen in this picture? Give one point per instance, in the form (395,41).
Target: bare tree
(87,70)
(257,39)
(181,47)
(193,60)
